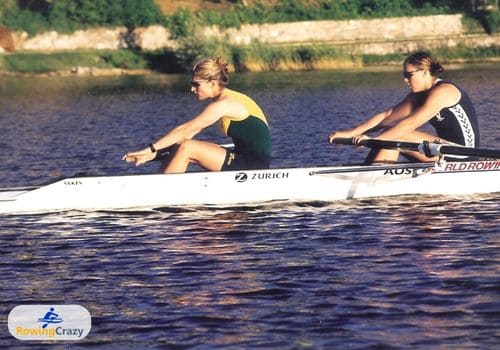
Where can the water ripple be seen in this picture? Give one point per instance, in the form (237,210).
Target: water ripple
(404,272)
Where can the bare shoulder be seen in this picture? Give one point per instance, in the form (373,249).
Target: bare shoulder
(445,85)
(231,106)
(445,94)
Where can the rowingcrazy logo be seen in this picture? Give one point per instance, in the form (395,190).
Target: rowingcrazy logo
(49,322)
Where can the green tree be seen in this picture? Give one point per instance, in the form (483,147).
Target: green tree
(70,14)
(18,18)
(137,13)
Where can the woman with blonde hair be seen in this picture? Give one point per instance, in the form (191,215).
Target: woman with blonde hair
(443,104)
(239,116)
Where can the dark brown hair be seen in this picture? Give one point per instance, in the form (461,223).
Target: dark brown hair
(422,60)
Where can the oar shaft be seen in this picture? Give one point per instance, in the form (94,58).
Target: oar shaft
(471,152)
(375,143)
(427,148)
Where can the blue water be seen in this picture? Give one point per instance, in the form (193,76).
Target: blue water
(404,272)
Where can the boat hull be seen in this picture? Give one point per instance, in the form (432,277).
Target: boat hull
(134,192)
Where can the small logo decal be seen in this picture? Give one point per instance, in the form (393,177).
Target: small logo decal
(241,177)
(438,117)
(49,322)
(50,317)
(72,182)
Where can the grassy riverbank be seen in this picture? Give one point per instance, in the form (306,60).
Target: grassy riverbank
(182,17)
(182,22)
(253,58)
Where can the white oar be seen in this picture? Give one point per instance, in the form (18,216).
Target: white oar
(430,149)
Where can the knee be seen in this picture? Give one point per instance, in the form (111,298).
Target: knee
(185,147)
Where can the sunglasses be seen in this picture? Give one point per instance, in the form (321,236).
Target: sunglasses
(195,84)
(408,75)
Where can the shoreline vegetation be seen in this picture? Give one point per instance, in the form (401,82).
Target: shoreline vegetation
(254,58)
(184,23)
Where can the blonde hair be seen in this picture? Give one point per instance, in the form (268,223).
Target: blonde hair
(212,69)
(422,60)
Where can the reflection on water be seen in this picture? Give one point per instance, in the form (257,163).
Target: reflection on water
(271,276)
(416,272)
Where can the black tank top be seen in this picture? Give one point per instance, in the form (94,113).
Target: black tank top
(457,123)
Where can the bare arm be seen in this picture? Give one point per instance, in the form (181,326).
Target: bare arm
(185,131)
(442,96)
(192,127)
(211,114)
(379,120)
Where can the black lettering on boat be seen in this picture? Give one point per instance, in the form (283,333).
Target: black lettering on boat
(401,171)
(72,182)
(270,175)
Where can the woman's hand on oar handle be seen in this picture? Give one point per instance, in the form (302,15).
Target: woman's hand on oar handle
(339,135)
(358,139)
(346,138)
(139,157)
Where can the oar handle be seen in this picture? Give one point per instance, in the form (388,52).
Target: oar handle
(375,143)
(343,141)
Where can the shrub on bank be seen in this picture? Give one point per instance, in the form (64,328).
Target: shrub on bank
(466,53)
(46,63)
(302,10)
(69,15)
(459,53)
(22,19)
(493,22)
(261,57)
(255,57)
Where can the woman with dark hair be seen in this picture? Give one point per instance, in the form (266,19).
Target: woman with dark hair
(441,103)
(239,116)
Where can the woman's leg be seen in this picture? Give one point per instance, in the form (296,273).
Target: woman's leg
(391,156)
(207,155)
